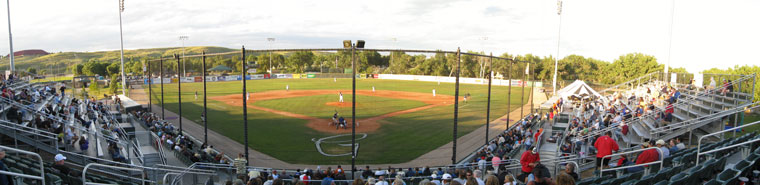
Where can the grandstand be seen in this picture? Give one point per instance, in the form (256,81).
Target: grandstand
(100,142)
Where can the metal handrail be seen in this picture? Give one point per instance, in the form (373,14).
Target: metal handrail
(661,157)
(710,117)
(42,166)
(84,172)
(628,82)
(38,132)
(727,147)
(699,141)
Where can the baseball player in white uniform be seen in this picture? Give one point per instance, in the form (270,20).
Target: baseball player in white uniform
(433,92)
(341,97)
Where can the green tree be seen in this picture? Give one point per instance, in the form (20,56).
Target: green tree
(94,88)
(114,69)
(32,70)
(114,85)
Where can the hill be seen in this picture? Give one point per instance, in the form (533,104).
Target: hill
(62,60)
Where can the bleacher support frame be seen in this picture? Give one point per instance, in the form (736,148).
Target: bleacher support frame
(42,167)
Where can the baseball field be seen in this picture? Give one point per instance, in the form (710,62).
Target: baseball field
(401,119)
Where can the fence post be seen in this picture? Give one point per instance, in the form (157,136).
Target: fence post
(205,113)
(509,92)
(161,63)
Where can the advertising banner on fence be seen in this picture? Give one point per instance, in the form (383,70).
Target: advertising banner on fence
(198,79)
(296,75)
(187,79)
(311,75)
(267,76)
(211,78)
(174,80)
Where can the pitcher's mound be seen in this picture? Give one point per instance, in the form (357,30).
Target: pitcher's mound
(340,104)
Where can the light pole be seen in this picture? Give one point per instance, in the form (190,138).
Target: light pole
(556,59)
(271,42)
(670,38)
(10,36)
(183,38)
(121,41)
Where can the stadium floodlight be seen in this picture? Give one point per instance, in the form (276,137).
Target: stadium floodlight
(347,44)
(360,44)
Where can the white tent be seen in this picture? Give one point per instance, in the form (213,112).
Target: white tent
(578,89)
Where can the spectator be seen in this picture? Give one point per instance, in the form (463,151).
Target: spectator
(529,159)
(4,179)
(570,170)
(604,146)
(326,181)
(646,156)
(496,161)
(460,177)
(358,182)
(541,175)
(84,144)
(240,164)
(680,145)
(664,148)
(492,180)
(398,181)
(565,179)
(435,179)
(446,179)
(367,172)
(381,180)
(59,165)
(673,148)
(509,180)
(477,174)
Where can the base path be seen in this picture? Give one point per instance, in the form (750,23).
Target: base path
(438,157)
(364,125)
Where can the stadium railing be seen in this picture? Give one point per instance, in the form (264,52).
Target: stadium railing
(699,142)
(646,170)
(42,169)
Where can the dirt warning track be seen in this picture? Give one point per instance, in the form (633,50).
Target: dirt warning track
(319,124)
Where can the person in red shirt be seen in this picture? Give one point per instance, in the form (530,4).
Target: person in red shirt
(529,159)
(647,156)
(604,146)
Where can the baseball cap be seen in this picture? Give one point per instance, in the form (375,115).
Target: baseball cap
(59,157)
(434,176)
(446,176)
(660,142)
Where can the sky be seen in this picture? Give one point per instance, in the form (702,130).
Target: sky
(705,34)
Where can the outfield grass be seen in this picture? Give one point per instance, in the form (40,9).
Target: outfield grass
(400,138)
(314,106)
(53,79)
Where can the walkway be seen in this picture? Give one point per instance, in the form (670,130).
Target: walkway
(439,157)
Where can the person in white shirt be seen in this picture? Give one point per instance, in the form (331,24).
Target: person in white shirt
(435,179)
(381,181)
(477,174)
(433,92)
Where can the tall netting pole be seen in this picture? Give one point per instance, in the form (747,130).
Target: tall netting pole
(353,110)
(150,87)
(456,112)
(509,92)
(245,109)
(161,63)
(522,94)
(205,113)
(488,104)
(179,94)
